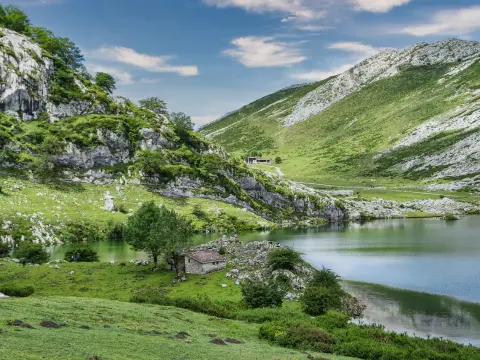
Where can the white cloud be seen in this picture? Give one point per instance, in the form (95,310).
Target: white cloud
(448,22)
(297,8)
(122,77)
(253,51)
(380,6)
(308,9)
(355,47)
(318,75)
(147,62)
(312,27)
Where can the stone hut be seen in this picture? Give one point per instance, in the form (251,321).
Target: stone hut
(204,262)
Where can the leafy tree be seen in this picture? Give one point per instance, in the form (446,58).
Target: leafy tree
(181,120)
(86,254)
(317,300)
(60,47)
(158,231)
(283,258)
(259,294)
(154,104)
(13,18)
(31,253)
(278,160)
(105,81)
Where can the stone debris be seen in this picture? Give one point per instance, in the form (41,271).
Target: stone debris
(3,296)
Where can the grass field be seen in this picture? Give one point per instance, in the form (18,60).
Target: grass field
(99,329)
(84,202)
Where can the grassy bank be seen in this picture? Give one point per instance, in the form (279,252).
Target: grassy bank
(104,329)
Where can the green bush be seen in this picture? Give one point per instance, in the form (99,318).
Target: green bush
(297,336)
(31,253)
(85,253)
(332,320)
(283,258)
(307,337)
(200,303)
(278,160)
(326,278)
(4,249)
(17,291)
(259,294)
(317,300)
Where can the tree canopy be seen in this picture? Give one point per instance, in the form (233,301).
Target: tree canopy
(63,48)
(158,231)
(13,18)
(154,104)
(181,120)
(105,81)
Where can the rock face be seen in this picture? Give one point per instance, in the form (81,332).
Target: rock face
(25,75)
(386,64)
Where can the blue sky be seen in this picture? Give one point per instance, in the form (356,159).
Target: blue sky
(208,57)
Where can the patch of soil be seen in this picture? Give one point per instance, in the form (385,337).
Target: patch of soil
(234,341)
(182,335)
(51,325)
(19,323)
(218,342)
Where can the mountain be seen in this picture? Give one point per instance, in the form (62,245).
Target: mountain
(73,158)
(408,114)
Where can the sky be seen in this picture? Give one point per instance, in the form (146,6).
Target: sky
(210,57)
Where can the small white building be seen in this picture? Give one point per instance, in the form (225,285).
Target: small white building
(258,160)
(204,262)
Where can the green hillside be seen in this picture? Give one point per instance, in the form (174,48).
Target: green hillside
(108,330)
(342,140)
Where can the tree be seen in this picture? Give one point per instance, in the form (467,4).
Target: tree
(317,300)
(181,120)
(158,231)
(62,48)
(13,18)
(154,104)
(105,81)
(31,253)
(278,160)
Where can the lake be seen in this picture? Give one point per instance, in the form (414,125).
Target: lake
(435,262)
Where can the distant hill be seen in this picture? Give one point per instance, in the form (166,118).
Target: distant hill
(412,114)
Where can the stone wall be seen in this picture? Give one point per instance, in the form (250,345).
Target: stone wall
(193,266)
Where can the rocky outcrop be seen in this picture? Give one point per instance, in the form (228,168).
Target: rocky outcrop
(155,140)
(24,74)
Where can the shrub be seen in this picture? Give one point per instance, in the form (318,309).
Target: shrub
(121,208)
(327,278)
(450,217)
(222,251)
(17,291)
(4,249)
(278,160)
(317,300)
(200,303)
(31,253)
(283,258)
(332,320)
(307,337)
(259,294)
(85,253)
(297,336)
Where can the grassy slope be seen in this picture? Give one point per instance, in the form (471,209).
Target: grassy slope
(124,331)
(341,141)
(64,203)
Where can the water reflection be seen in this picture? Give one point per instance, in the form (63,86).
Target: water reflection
(419,313)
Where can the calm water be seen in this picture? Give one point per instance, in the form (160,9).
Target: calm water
(430,258)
